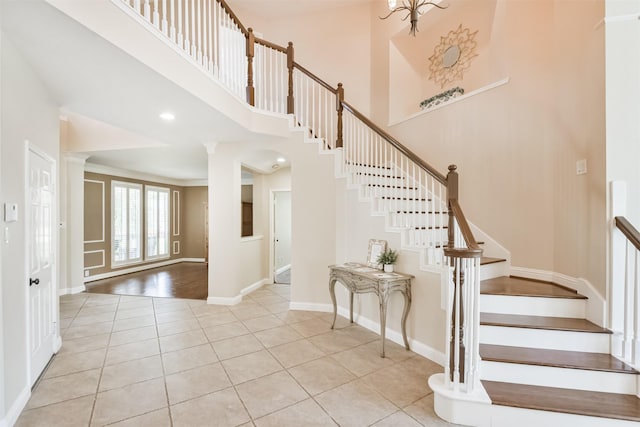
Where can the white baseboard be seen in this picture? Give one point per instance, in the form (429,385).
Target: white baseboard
(140,268)
(282,269)
(57,343)
(253,287)
(596,304)
(374,326)
(225,300)
(16,408)
(71,291)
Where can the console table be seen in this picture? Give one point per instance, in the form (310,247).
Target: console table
(359,278)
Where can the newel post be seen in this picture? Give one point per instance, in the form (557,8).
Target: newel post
(339,109)
(452,194)
(251,91)
(290,105)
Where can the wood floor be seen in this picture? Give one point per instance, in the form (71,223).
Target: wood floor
(183,280)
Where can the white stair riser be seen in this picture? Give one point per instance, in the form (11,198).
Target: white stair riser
(506,416)
(390,205)
(580,379)
(417,220)
(378,179)
(493,270)
(533,306)
(544,338)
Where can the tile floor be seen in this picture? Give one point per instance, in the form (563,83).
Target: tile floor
(142,361)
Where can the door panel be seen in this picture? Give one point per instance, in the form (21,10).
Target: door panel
(41,262)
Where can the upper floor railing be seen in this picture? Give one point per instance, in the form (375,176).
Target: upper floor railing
(267,76)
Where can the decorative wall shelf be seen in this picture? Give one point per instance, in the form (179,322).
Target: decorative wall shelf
(452,101)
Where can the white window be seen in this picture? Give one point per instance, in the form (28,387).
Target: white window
(126,222)
(157,209)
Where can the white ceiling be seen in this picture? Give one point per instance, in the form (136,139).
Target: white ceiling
(99,86)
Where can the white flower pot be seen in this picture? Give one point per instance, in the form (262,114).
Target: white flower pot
(388,268)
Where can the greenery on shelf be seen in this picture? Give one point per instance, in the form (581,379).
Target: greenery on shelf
(442,97)
(387,257)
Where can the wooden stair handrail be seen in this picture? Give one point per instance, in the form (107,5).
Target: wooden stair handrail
(631,233)
(268,44)
(315,78)
(394,142)
(234,18)
(465,229)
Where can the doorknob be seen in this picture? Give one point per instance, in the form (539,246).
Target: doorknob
(34,282)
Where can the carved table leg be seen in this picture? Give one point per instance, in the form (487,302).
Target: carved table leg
(405,312)
(332,292)
(351,305)
(383,322)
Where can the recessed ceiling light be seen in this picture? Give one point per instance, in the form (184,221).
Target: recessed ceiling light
(167,116)
(281,160)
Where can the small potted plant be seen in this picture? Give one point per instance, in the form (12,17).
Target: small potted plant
(387,259)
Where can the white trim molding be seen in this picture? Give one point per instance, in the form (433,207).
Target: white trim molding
(225,300)
(72,291)
(16,408)
(253,287)
(283,269)
(596,304)
(89,267)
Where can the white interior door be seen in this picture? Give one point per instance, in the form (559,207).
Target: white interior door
(282,230)
(40,214)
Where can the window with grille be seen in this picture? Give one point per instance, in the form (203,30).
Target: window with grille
(126,222)
(157,222)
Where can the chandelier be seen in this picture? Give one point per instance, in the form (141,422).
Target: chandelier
(413,9)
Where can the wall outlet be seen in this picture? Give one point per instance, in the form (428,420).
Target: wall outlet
(86,273)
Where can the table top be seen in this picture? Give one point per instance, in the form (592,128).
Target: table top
(369,272)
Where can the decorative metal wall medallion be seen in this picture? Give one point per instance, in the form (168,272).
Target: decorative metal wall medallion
(452,56)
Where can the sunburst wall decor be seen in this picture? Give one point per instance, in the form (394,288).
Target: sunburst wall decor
(452,56)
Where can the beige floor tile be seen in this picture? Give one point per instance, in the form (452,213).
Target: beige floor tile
(334,342)
(133,323)
(362,360)
(132,335)
(126,373)
(296,316)
(250,312)
(159,418)
(167,305)
(260,396)
(233,347)
(188,358)
(182,340)
(70,413)
(97,309)
(92,319)
(68,363)
(217,319)
(399,419)
(178,327)
(420,366)
(306,413)
(229,330)
(59,389)
(196,382)
(64,324)
(310,327)
(134,312)
(355,404)
(278,307)
(84,344)
(296,353)
(277,336)
(400,386)
(174,316)
(321,375)
(251,366)
(69,313)
(222,409)
(360,334)
(262,323)
(134,302)
(392,350)
(208,309)
(101,299)
(132,351)
(82,331)
(422,410)
(130,401)
(269,299)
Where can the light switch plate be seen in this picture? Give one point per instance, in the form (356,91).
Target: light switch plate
(10,212)
(581,167)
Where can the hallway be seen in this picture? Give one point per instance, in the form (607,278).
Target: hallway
(174,362)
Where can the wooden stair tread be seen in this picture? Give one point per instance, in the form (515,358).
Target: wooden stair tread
(485,260)
(541,322)
(554,358)
(578,402)
(517,286)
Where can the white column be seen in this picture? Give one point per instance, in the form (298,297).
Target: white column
(72,224)
(618,248)
(224,225)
